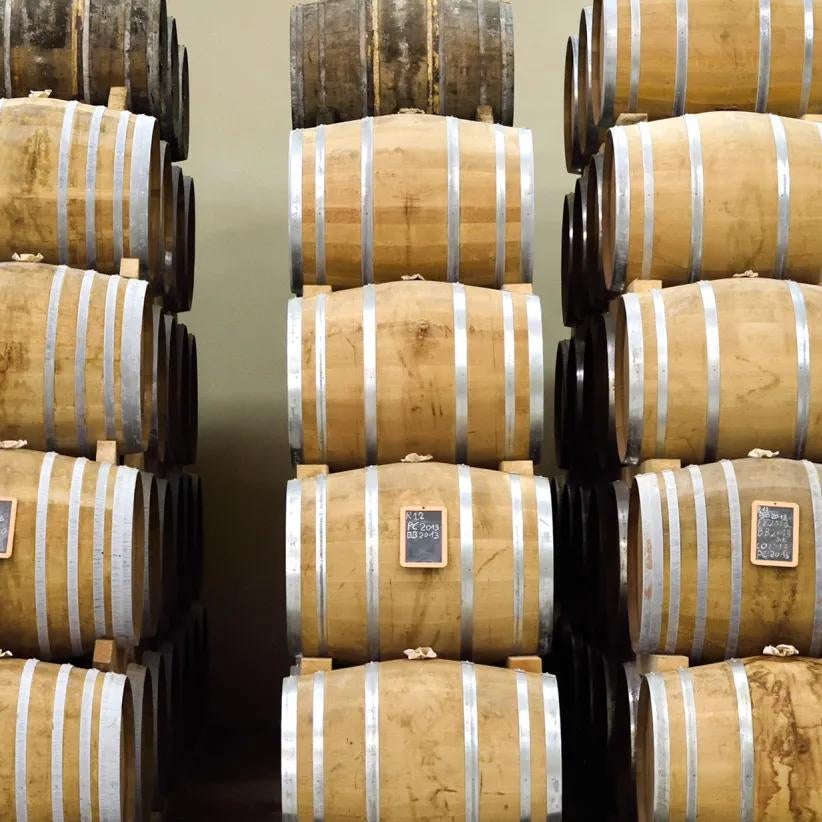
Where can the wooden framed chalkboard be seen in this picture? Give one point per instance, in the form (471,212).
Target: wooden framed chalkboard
(8,514)
(775,534)
(423,537)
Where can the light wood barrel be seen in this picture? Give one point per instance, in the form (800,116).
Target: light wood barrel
(348,597)
(95,196)
(692,588)
(377,373)
(736,740)
(379,199)
(709,196)
(153,560)
(694,362)
(155,663)
(354,58)
(67,737)
(436,739)
(79,363)
(76,571)
(145,754)
(665,59)
(573,149)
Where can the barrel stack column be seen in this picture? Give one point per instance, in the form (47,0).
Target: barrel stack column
(689,569)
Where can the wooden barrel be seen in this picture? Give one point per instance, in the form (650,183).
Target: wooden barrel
(573,149)
(579,289)
(560,408)
(436,739)
(190,244)
(568,265)
(377,373)
(196,534)
(175,432)
(193,402)
(153,559)
(564,559)
(169,112)
(716,603)
(168,534)
(376,200)
(79,363)
(142,693)
(621,749)
(81,52)
(182,394)
(155,663)
(589,134)
(178,200)
(199,692)
(355,58)
(612,551)
(182,106)
(171,664)
(179,489)
(593,274)
(665,59)
(602,675)
(67,737)
(71,211)
(736,740)
(159,386)
(172,231)
(599,408)
(350,598)
(578,444)
(710,196)
(693,361)
(76,571)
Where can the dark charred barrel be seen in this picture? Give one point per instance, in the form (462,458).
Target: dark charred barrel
(579,294)
(182,106)
(190,244)
(573,149)
(568,263)
(170,112)
(598,297)
(560,408)
(361,58)
(621,750)
(598,388)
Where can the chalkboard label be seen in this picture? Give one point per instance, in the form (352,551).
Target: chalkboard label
(775,534)
(423,537)
(8,513)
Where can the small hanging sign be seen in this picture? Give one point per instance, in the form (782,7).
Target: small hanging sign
(8,514)
(775,534)
(423,537)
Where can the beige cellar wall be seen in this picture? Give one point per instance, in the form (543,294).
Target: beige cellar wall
(240,122)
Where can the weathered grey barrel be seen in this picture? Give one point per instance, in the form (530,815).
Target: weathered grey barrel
(358,58)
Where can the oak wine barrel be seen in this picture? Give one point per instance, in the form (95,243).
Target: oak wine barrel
(590,135)
(580,452)
(666,59)
(435,739)
(693,589)
(79,364)
(179,489)
(170,239)
(155,663)
(190,244)
(349,597)
(158,440)
(378,199)
(593,274)
(171,665)
(568,264)
(93,195)
(168,530)
(602,686)
(377,373)
(561,450)
(355,58)
(574,162)
(76,570)
(579,284)
(142,694)
(622,746)
(169,111)
(710,196)
(735,740)
(694,361)
(67,736)
(155,537)
(182,105)
(193,418)
(599,401)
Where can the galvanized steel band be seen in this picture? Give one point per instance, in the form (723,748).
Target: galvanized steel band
(58,722)
(320,375)
(807,62)
(661,746)
(536,375)
(502,183)
(119,185)
(697,197)
(524,718)
(122,521)
(701,527)
(764,78)
(319,203)
(7,49)
(110,740)
(681,76)
(372,559)
(553,747)
(466,561)
(99,549)
(470,723)
(509,348)
(131,362)
(460,309)
(112,286)
(736,545)
(452,128)
(41,554)
(636,53)
(372,742)
(295,214)
(661,327)
(636,376)
(50,356)
(293,566)
(674,561)
(783,196)
(650,507)
(746,740)
(803,370)
(691,747)
(80,346)
(481,26)
(140,190)
(816,504)
(63,179)
(518,554)
(295,378)
(288,745)
(527,204)
(321,561)
(91,184)
(622,184)
(610,32)
(648,194)
(713,360)
(21,732)
(317,744)
(369,361)
(545,550)
(72,556)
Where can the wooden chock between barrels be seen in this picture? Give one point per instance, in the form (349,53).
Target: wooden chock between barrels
(659,663)
(117,98)
(110,658)
(308,665)
(529,664)
(631,118)
(519,288)
(107,451)
(309,471)
(130,268)
(658,466)
(316,290)
(485,114)
(525,468)
(643,286)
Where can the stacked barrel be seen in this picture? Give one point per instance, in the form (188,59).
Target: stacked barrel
(415,525)
(99,558)
(687,403)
